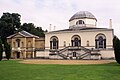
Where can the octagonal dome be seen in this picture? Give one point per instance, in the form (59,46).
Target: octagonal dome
(83,14)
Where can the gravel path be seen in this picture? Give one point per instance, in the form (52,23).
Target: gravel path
(66,61)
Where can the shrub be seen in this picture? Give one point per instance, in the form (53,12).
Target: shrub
(116,45)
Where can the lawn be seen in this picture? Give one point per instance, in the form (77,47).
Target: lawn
(12,70)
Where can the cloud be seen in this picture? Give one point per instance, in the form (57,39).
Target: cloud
(58,12)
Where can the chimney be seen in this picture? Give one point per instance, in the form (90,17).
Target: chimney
(54,28)
(110,23)
(50,27)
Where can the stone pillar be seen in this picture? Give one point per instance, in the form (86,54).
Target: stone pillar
(33,47)
(24,55)
(34,54)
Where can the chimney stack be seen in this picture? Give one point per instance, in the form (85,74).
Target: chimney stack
(54,28)
(50,27)
(110,23)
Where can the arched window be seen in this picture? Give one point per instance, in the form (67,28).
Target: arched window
(76,41)
(54,42)
(100,41)
(80,22)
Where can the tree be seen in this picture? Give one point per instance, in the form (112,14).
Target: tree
(116,45)
(31,28)
(7,50)
(1,49)
(9,23)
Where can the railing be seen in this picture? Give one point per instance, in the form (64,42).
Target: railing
(84,55)
(87,51)
(23,49)
(62,55)
(64,49)
(95,52)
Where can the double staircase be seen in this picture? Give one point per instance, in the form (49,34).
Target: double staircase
(79,51)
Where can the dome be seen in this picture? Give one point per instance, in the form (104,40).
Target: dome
(83,14)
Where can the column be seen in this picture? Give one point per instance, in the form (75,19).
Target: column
(24,53)
(33,47)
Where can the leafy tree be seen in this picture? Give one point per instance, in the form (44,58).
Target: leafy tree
(116,45)
(31,28)
(7,50)
(1,49)
(9,23)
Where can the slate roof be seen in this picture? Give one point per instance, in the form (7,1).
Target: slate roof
(82,14)
(24,34)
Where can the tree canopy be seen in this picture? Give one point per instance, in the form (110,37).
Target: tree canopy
(9,23)
(31,28)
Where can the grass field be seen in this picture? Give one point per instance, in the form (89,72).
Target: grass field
(12,70)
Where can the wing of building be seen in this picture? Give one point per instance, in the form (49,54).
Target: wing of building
(25,45)
(83,40)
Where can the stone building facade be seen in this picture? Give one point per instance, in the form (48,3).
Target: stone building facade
(25,45)
(83,40)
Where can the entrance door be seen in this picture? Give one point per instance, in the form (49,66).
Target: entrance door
(18,54)
(74,54)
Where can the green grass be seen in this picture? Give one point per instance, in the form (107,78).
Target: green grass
(12,70)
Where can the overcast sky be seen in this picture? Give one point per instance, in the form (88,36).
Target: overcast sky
(58,12)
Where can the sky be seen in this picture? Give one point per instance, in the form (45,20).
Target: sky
(58,12)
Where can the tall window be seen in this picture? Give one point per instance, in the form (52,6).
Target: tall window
(76,41)
(14,44)
(54,42)
(22,44)
(100,41)
(18,42)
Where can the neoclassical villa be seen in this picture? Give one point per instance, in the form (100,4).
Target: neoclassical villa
(83,40)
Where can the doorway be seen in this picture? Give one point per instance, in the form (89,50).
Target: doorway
(74,54)
(18,54)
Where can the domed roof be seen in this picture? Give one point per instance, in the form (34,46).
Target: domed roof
(82,14)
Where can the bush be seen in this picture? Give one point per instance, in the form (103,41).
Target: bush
(7,50)
(1,49)
(116,45)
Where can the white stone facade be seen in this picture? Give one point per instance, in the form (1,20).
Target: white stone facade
(82,36)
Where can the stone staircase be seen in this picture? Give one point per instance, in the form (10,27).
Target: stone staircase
(81,52)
